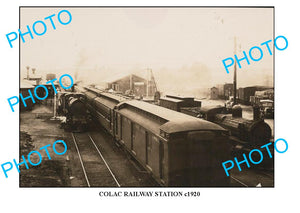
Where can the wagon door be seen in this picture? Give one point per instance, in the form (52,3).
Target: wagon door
(207,150)
(139,142)
(126,132)
(153,154)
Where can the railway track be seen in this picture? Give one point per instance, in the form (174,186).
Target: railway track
(267,174)
(254,178)
(97,171)
(239,181)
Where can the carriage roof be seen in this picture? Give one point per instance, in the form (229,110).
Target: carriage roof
(173,121)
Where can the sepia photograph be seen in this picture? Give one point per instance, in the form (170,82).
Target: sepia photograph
(146,96)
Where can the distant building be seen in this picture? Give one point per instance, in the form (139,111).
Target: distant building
(131,85)
(265,94)
(171,103)
(245,93)
(228,90)
(262,95)
(214,93)
(25,86)
(179,103)
(33,77)
(220,88)
(225,90)
(50,76)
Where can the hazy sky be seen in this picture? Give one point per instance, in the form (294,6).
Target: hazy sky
(179,44)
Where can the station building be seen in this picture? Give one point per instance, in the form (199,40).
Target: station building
(214,93)
(131,85)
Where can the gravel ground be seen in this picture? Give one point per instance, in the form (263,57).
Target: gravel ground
(36,131)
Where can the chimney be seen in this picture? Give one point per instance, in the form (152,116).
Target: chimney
(256,113)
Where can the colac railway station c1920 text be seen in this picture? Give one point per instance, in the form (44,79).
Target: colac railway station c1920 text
(149,194)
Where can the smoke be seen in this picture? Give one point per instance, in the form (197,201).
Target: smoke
(190,80)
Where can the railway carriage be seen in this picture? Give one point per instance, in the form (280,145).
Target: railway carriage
(101,105)
(104,112)
(177,149)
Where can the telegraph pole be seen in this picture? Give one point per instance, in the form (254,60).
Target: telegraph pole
(234,75)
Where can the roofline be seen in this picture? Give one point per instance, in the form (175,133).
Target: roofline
(122,78)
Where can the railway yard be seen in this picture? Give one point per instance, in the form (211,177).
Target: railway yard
(94,159)
(127,135)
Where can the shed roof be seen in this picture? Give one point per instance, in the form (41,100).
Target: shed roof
(120,76)
(44,82)
(35,76)
(26,85)
(171,99)
(180,97)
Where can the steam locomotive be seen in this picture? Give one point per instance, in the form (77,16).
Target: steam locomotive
(72,106)
(176,149)
(245,134)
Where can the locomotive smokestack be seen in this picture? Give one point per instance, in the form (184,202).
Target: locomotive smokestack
(237,111)
(256,113)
